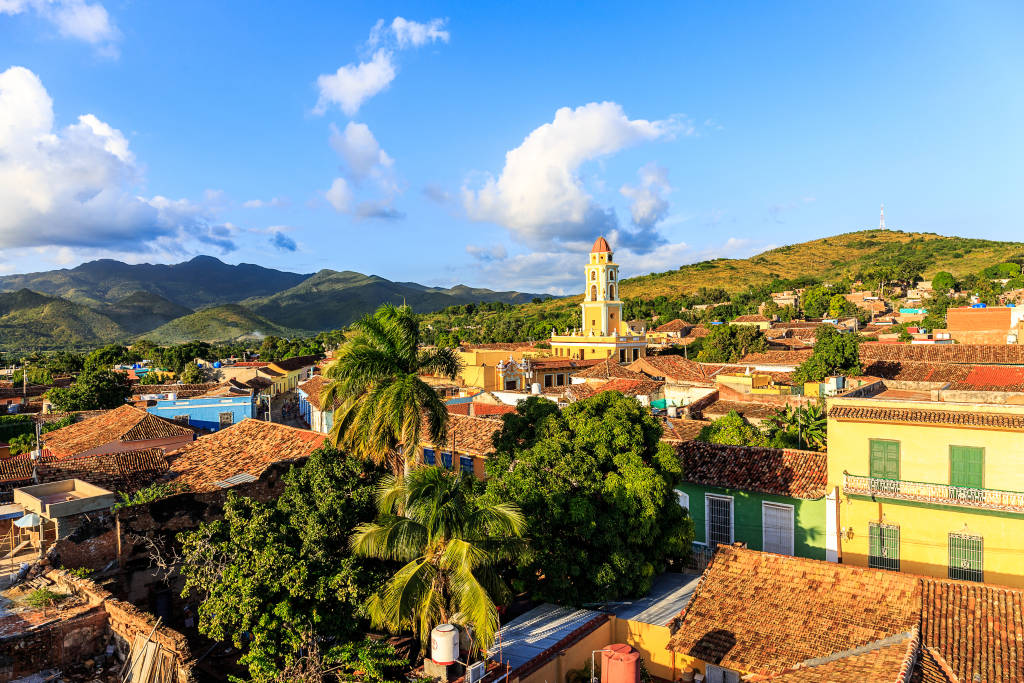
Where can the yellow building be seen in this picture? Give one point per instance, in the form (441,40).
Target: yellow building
(481,363)
(604,333)
(287,374)
(928,481)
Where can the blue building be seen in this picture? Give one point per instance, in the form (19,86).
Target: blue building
(318,418)
(222,407)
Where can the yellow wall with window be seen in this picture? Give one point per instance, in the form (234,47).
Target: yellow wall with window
(924,456)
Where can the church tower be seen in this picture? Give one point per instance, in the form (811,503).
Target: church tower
(602,310)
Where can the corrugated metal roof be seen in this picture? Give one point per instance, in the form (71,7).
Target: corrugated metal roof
(669,594)
(528,635)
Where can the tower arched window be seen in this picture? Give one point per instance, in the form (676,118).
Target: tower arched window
(593,275)
(593,293)
(611,292)
(611,274)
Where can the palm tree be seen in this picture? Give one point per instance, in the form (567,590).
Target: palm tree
(808,423)
(450,541)
(380,397)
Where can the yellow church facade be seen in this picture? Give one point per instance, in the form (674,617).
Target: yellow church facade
(604,333)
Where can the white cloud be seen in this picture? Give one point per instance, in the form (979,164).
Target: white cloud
(353,84)
(539,195)
(265,203)
(88,22)
(339,195)
(414,34)
(496,252)
(361,152)
(78,186)
(648,205)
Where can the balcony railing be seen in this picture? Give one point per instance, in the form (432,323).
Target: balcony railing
(942,494)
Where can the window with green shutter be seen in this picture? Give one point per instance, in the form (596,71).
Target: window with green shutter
(967,466)
(965,557)
(883,546)
(885,459)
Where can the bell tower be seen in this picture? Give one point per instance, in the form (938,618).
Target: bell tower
(602,310)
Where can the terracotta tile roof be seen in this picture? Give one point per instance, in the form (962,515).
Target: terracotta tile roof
(795,357)
(16,468)
(124,423)
(763,613)
(314,389)
(600,246)
(470,435)
(978,629)
(672,368)
(984,354)
(271,372)
(677,429)
(482,409)
(890,660)
(295,363)
(580,392)
(249,364)
(964,377)
(181,390)
(748,409)
(259,383)
(956,418)
(932,668)
(676,325)
(248,447)
(631,387)
(125,472)
(782,472)
(751,319)
(608,369)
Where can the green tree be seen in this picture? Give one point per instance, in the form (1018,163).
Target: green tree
(943,282)
(280,575)
(450,540)
(834,353)
(193,374)
(729,343)
(36,375)
(23,443)
(596,485)
(733,430)
(92,390)
(800,427)
(378,388)
(107,357)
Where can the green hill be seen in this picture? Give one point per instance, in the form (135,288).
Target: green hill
(29,320)
(142,311)
(332,299)
(203,281)
(217,324)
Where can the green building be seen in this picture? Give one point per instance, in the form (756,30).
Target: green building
(770,499)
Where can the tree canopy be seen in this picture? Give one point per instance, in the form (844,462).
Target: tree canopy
(733,429)
(595,484)
(834,353)
(729,343)
(274,577)
(92,390)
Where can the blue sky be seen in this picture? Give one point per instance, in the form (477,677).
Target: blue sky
(374,137)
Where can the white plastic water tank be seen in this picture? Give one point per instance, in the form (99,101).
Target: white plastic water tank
(535,388)
(673,411)
(444,644)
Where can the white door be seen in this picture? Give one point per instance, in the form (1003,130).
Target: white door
(777,528)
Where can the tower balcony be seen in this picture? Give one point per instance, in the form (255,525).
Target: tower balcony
(937,494)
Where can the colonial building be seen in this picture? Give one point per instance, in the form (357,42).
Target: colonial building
(604,333)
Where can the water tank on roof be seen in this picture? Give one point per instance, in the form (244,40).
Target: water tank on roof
(535,389)
(620,664)
(216,364)
(977,305)
(444,644)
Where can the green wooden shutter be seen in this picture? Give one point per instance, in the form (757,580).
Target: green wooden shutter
(885,459)
(966,466)
(966,559)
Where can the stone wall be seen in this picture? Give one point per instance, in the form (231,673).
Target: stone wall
(91,553)
(50,640)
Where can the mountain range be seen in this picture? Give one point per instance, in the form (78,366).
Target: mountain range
(106,300)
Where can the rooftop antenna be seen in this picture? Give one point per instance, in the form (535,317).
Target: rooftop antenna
(881,219)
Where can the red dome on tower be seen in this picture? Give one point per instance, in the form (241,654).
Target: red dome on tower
(600,246)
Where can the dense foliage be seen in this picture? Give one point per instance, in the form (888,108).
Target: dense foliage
(91,390)
(834,353)
(733,430)
(273,577)
(24,443)
(729,343)
(596,485)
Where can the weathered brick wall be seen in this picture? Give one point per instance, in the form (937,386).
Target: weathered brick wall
(57,643)
(125,621)
(92,553)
